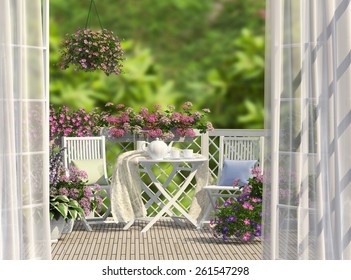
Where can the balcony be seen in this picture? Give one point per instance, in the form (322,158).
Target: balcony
(165,240)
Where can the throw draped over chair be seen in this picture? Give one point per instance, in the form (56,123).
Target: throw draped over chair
(237,156)
(88,154)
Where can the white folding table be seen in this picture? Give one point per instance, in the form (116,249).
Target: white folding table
(168,201)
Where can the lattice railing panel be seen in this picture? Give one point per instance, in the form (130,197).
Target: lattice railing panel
(213,157)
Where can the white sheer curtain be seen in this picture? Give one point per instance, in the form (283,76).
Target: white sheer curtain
(307,208)
(24,209)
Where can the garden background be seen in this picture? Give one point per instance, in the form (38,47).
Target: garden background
(209,52)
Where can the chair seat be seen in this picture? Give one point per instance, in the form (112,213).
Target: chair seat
(218,188)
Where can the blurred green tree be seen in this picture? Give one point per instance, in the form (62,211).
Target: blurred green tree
(210,52)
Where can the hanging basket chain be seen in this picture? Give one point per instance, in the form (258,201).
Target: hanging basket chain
(92,2)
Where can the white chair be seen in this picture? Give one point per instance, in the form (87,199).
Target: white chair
(237,156)
(88,154)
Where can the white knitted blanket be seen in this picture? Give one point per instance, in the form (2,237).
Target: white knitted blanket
(126,201)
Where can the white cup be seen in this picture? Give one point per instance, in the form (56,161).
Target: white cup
(140,145)
(175,153)
(188,153)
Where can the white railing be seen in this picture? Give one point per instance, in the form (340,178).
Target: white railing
(206,144)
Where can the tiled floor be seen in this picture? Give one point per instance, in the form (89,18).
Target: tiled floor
(164,241)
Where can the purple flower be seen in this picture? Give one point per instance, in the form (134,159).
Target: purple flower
(231,219)
(74,193)
(64,191)
(85,204)
(87,191)
(227,202)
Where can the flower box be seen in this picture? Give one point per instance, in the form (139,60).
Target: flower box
(129,137)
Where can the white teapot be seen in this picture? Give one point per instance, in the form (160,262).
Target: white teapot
(157,149)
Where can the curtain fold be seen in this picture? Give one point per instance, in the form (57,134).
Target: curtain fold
(24,195)
(307,208)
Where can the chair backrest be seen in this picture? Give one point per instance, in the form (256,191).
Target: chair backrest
(84,148)
(240,148)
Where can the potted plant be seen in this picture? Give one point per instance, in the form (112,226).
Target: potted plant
(70,196)
(241,217)
(63,212)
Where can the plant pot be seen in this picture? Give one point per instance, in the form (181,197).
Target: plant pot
(68,227)
(56,227)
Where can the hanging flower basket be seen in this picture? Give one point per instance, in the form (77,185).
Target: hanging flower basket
(89,51)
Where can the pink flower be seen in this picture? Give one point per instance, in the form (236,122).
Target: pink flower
(246,236)
(153,133)
(116,132)
(185,132)
(176,117)
(246,205)
(246,221)
(144,111)
(152,118)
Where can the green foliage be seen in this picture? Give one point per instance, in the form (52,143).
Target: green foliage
(239,81)
(210,52)
(62,206)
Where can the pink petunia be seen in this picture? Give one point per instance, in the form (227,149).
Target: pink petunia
(246,236)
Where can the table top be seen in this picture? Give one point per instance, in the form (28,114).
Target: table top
(195,158)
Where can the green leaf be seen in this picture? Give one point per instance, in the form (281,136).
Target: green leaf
(61,198)
(73,214)
(63,209)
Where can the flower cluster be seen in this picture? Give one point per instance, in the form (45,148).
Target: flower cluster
(88,51)
(238,217)
(255,183)
(122,120)
(64,122)
(241,217)
(69,187)
(156,122)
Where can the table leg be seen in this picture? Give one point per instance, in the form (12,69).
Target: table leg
(172,201)
(129,224)
(147,168)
